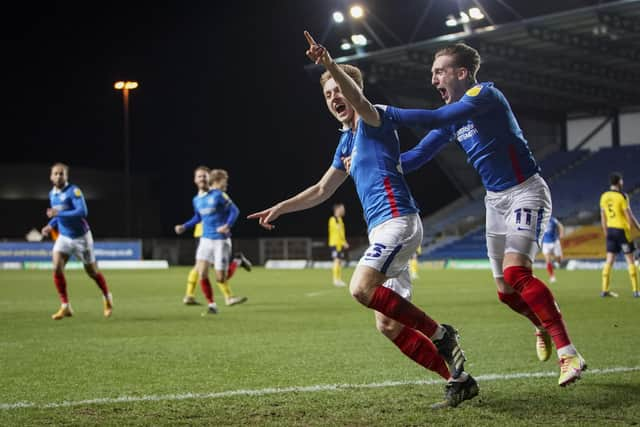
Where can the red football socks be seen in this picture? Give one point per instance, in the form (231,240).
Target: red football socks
(422,351)
(517,304)
(550,268)
(207,290)
(232,268)
(538,296)
(399,309)
(61,286)
(102,284)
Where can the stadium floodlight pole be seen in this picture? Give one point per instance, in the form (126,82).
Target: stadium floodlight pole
(125,87)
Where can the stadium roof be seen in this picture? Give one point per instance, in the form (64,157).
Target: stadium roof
(583,60)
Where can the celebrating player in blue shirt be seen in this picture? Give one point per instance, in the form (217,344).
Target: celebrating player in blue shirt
(381,280)
(518,202)
(213,207)
(68,213)
(551,246)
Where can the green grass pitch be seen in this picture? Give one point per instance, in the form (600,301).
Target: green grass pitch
(167,362)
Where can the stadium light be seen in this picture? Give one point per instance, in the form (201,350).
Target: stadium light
(338,17)
(464,18)
(476,13)
(451,21)
(345,45)
(356,12)
(359,40)
(125,87)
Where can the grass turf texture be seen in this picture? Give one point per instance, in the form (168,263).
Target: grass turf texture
(298,330)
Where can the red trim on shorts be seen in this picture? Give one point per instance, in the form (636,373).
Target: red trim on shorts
(515,165)
(391,198)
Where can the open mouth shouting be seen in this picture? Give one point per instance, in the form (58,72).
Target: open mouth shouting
(444,94)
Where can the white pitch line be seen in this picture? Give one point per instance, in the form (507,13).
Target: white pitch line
(295,389)
(316,294)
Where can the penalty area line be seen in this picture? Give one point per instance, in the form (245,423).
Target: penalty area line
(294,389)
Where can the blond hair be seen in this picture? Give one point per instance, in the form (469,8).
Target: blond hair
(463,56)
(218,175)
(353,72)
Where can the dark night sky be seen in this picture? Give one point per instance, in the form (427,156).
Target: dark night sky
(222,84)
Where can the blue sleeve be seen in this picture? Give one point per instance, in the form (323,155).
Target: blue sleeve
(337,157)
(79,208)
(469,106)
(425,150)
(193,221)
(53,222)
(233,214)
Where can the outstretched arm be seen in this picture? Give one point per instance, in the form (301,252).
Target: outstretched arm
(443,116)
(349,88)
(425,150)
(312,196)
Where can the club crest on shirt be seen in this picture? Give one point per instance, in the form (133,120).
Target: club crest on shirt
(63,197)
(210,201)
(474,91)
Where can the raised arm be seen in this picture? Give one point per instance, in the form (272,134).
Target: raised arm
(349,88)
(426,150)
(312,196)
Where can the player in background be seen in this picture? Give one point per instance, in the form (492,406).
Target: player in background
(413,263)
(518,201)
(213,207)
(68,215)
(616,219)
(337,243)
(192,279)
(551,246)
(381,280)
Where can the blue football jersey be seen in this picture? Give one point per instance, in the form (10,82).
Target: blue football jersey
(72,211)
(376,171)
(214,209)
(484,126)
(552,233)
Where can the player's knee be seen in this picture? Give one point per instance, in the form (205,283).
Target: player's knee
(360,293)
(517,276)
(388,327)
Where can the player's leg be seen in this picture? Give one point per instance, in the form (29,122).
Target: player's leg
(518,274)
(392,243)
(496,235)
(413,267)
(549,260)
(414,344)
(190,293)
(83,249)
(633,273)
(59,260)
(336,269)
(204,258)
(222,253)
(606,274)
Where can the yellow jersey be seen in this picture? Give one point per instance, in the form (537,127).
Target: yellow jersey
(337,237)
(614,204)
(197,230)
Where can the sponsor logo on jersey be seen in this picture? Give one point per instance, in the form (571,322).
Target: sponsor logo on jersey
(466,132)
(77,192)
